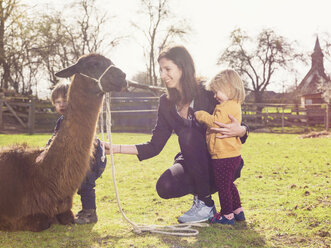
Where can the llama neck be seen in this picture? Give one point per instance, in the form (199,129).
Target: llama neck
(69,154)
(82,111)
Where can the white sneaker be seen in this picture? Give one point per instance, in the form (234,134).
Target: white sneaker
(199,212)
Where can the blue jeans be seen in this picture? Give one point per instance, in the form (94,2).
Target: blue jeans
(86,190)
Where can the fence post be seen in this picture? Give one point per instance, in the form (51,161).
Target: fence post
(2,95)
(282,118)
(31,117)
(327,117)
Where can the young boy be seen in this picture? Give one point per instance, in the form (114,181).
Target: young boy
(86,191)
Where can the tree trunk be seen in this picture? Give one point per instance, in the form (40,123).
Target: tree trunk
(258,100)
(6,74)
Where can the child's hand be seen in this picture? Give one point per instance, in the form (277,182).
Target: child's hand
(233,129)
(41,156)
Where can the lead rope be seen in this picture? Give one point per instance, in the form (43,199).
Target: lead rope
(177,230)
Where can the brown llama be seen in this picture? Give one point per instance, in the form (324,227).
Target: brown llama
(34,195)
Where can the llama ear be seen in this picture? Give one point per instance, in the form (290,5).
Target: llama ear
(67,72)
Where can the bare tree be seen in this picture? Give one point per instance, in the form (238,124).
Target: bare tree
(53,46)
(7,8)
(24,66)
(140,77)
(32,43)
(325,39)
(62,42)
(19,67)
(163,28)
(85,34)
(325,88)
(257,60)
(21,62)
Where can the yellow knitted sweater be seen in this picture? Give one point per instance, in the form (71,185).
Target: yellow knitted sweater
(227,147)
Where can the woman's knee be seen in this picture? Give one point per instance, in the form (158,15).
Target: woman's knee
(163,188)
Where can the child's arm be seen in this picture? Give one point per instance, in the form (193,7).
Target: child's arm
(209,120)
(221,114)
(204,117)
(41,156)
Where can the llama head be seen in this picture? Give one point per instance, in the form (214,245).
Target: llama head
(95,66)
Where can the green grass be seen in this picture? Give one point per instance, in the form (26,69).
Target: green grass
(285,191)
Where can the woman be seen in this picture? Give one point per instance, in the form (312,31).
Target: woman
(191,172)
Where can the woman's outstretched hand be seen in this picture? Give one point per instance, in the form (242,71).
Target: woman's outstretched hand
(107,148)
(123,149)
(233,129)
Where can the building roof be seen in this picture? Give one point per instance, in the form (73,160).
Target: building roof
(316,74)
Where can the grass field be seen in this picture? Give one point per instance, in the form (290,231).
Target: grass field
(285,191)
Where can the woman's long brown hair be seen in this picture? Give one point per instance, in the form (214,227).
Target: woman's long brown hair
(181,57)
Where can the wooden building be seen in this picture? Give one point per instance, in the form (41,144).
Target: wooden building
(308,88)
(311,96)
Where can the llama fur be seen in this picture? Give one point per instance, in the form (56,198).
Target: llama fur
(34,195)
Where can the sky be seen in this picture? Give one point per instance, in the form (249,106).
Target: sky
(212,22)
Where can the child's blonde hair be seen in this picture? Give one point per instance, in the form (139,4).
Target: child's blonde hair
(228,82)
(60,90)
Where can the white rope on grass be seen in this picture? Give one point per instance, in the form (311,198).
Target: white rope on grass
(177,230)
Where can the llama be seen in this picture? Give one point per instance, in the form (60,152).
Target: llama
(34,195)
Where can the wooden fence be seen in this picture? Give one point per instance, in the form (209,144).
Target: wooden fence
(133,112)
(23,114)
(259,115)
(137,112)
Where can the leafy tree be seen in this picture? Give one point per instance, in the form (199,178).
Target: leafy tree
(163,28)
(257,60)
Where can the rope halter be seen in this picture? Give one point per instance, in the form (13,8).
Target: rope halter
(99,79)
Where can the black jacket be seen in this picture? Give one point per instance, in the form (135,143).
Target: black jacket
(168,121)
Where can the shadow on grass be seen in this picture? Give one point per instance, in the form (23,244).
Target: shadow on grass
(58,236)
(85,236)
(239,235)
